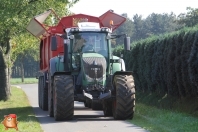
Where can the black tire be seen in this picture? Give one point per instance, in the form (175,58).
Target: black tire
(85,104)
(39,92)
(107,108)
(50,97)
(124,104)
(96,105)
(63,97)
(89,103)
(44,94)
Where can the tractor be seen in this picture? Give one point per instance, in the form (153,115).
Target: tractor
(77,64)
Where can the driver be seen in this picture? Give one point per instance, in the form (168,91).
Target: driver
(88,44)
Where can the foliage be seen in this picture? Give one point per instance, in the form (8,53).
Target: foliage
(15,15)
(165,64)
(24,45)
(140,28)
(190,18)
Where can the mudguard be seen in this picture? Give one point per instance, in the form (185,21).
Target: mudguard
(119,67)
(118,64)
(57,67)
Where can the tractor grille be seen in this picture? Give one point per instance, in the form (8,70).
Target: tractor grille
(95,67)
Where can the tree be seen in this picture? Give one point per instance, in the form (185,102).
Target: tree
(190,18)
(15,16)
(126,28)
(139,30)
(161,23)
(28,47)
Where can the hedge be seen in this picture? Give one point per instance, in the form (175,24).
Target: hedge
(165,64)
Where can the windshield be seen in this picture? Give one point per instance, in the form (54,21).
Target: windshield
(90,42)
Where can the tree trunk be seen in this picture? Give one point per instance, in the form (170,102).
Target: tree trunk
(4,79)
(22,72)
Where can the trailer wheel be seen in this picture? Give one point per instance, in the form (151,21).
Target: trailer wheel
(107,108)
(96,105)
(89,103)
(44,94)
(39,92)
(50,97)
(63,97)
(124,104)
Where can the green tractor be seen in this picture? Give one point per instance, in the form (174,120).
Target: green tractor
(77,64)
(94,76)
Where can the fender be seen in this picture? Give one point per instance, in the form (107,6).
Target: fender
(118,64)
(56,67)
(118,68)
(123,73)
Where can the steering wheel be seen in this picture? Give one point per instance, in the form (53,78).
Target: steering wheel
(87,48)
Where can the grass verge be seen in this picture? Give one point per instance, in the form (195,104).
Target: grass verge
(26,81)
(164,115)
(18,104)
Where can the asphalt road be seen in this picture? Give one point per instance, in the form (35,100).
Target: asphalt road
(85,119)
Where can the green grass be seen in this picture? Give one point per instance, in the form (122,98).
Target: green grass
(26,80)
(166,114)
(160,120)
(18,104)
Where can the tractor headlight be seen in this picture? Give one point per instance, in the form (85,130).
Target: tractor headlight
(74,29)
(105,30)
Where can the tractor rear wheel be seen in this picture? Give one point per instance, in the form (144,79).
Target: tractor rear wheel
(124,104)
(63,97)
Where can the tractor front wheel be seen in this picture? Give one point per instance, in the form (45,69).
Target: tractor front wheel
(124,104)
(63,97)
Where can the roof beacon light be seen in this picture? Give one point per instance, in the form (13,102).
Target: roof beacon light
(111,22)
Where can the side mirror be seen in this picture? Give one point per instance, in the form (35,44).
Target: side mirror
(127,43)
(53,43)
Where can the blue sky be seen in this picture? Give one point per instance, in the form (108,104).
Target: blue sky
(131,7)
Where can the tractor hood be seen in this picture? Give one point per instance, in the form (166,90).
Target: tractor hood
(94,68)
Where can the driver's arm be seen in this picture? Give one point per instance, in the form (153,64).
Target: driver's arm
(78,45)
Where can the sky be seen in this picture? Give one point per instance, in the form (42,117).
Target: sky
(132,7)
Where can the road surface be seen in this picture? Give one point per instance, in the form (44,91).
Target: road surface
(85,120)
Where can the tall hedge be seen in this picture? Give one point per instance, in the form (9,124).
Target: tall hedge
(165,64)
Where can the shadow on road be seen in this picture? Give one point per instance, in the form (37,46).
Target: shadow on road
(43,116)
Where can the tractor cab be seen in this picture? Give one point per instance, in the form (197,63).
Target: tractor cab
(89,47)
